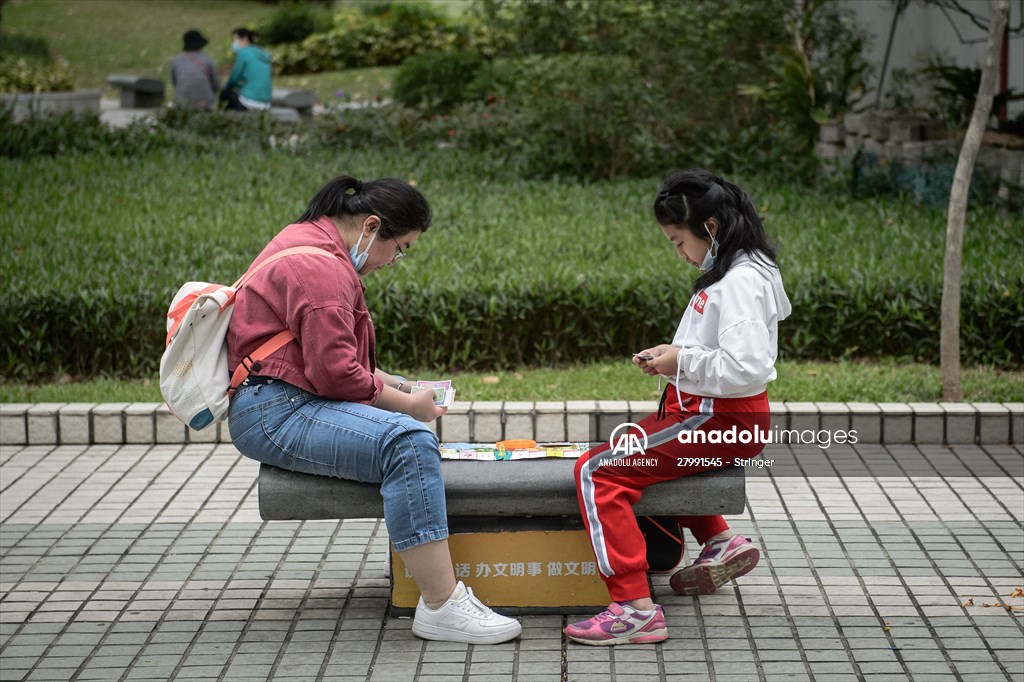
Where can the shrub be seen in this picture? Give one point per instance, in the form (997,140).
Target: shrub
(58,133)
(817,76)
(954,91)
(384,126)
(26,65)
(32,48)
(574,115)
(695,55)
(436,80)
(22,75)
(361,40)
(293,22)
(182,127)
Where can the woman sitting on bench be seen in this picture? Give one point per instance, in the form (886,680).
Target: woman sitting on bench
(320,405)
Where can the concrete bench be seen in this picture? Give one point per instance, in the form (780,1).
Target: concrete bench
(284,115)
(521,488)
(301,101)
(503,514)
(138,92)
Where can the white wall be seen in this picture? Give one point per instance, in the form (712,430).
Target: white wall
(925,31)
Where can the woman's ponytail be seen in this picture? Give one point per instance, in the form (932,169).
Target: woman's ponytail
(330,200)
(400,206)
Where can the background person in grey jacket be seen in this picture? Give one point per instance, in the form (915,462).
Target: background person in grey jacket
(193,74)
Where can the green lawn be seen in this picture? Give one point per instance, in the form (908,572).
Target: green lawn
(353,84)
(883,381)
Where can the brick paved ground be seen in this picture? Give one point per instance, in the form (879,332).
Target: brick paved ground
(150,562)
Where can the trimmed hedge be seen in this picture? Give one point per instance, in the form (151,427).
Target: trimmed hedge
(513,273)
(120,332)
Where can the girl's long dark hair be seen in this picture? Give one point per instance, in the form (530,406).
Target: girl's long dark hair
(400,206)
(688,198)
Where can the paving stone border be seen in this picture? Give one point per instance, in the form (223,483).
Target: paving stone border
(573,420)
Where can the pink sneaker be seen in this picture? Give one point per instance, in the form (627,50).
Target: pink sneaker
(620,624)
(718,563)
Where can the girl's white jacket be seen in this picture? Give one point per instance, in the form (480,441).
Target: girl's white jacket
(729,334)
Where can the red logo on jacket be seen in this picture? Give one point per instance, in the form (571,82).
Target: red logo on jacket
(699,302)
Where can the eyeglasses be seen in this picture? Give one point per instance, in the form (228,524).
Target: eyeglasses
(399,254)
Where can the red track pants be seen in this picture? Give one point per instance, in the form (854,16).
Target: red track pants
(610,479)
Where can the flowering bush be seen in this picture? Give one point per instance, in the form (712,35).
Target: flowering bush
(22,75)
(361,40)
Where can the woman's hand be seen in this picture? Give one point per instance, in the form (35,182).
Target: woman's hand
(419,405)
(662,360)
(422,407)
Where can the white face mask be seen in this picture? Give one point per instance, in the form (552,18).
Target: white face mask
(359,259)
(709,258)
(236,46)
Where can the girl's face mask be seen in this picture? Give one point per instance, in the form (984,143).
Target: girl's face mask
(709,259)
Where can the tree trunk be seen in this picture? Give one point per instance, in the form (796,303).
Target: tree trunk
(899,7)
(949,343)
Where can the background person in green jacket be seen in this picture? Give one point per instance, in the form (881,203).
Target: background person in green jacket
(248,86)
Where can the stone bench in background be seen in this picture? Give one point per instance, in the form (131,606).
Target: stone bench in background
(138,92)
(25,105)
(301,101)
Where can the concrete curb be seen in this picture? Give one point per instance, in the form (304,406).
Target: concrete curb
(574,420)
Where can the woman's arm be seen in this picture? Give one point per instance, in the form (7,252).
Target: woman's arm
(394,382)
(420,405)
(237,73)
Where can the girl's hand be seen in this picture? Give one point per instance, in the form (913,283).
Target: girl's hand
(422,407)
(662,360)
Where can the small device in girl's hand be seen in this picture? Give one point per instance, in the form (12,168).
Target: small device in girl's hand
(644,356)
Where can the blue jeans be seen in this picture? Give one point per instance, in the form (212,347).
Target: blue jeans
(286,427)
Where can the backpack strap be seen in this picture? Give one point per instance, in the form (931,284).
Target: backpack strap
(250,362)
(313,250)
(195,60)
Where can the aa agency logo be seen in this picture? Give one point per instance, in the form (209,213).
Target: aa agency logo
(625,441)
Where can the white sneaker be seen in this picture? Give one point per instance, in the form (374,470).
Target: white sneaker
(464,618)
